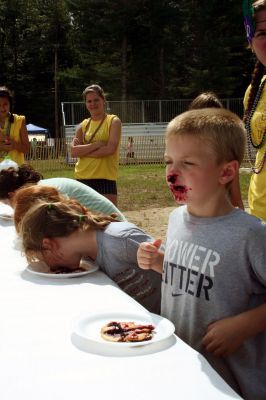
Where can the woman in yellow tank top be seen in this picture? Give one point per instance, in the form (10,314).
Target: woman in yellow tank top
(255,108)
(96,144)
(14,139)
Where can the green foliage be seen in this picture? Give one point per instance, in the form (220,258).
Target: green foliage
(142,49)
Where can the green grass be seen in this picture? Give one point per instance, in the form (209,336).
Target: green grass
(142,186)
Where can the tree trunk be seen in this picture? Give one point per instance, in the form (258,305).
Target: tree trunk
(124,68)
(162,76)
(56,112)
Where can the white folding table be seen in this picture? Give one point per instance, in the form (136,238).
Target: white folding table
(41,358)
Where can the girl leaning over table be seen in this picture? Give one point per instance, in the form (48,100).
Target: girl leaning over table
(255,105)
(14,140)
(96,144)
(60,233)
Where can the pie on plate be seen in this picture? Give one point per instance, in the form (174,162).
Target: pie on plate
(88,327)
(40,268)
(115,331)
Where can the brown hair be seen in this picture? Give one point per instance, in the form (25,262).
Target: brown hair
(205,100)
(27,196)
(59,219)
(259,68)
(221,128)
(93,88)
(11,179)
(6,93)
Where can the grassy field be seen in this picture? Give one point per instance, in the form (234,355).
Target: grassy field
(143,186)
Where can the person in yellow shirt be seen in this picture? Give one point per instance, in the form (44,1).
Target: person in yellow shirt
(14,140)
(96,144)
(255,106)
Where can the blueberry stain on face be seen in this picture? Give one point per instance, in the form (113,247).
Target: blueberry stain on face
(179,191)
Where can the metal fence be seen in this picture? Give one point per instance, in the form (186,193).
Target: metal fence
(148,149)
(140,111)
(145,120)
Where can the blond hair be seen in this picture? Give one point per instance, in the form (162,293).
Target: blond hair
(59,219)
(259,5)
(220,128)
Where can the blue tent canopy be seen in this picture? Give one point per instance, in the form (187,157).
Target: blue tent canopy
(36,129)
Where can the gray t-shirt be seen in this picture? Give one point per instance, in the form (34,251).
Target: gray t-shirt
(216,268)
(117,257)
(84,194)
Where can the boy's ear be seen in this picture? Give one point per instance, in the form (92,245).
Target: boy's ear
(228,172)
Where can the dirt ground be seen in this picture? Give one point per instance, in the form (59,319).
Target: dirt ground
(153,220)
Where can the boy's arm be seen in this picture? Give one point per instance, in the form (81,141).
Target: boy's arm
(150,257)
(225,336)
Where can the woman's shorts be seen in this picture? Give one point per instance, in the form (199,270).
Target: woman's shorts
(102,186)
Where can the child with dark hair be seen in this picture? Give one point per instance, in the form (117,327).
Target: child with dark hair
(13,179)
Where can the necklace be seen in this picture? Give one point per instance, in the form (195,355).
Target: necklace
(256,168)
(94,133)
(6,131)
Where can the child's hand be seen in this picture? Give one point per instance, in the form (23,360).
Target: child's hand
(148,255)
(224,337)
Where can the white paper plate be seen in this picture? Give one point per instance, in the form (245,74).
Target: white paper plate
(6,212)
(40,268)
(89,327)
(6,217)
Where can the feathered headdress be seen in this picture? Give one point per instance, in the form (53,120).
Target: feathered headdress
(249,22)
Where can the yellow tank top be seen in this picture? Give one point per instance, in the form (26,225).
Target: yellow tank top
(98,168)
(16,156)
(257,187)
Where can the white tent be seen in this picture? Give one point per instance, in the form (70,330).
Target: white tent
(37,132)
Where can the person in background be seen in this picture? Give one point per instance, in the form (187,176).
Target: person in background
(205,100)
(14,140)
(34,145)
(254,105)
(130,147)
(214,275)
(210,100)
(96,144)
(61,233)
(12,179)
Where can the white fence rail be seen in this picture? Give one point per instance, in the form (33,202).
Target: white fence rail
(141,111)
(134,130)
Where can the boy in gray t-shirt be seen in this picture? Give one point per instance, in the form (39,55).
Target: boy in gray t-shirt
(214,274)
